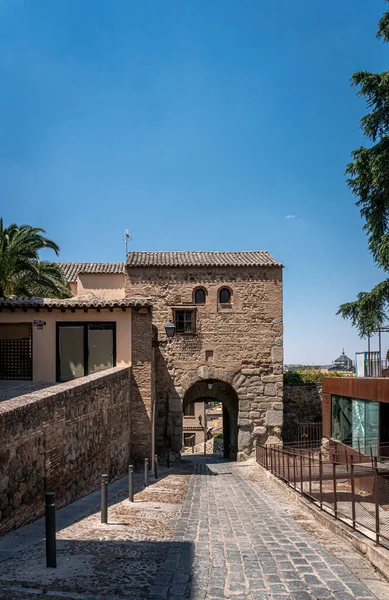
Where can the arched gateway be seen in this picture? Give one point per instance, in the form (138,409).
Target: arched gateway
(226,312)
(220,391)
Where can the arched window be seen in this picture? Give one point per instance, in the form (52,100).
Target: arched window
(199,296)
(224,296)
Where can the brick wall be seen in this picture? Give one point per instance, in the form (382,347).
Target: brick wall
(62,439)
(142,384)
(241,345)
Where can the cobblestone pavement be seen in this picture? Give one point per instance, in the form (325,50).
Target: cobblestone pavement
(95,561)
(235,539)
(226,531)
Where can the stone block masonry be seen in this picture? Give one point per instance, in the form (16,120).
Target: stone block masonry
(302,404)
(238,344)
(62,439)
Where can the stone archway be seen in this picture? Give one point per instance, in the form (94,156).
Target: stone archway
(222,392)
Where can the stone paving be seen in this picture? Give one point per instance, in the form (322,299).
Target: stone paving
(234,540)
(14,388)
(118,560)
(226,531)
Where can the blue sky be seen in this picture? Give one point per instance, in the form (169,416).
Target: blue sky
(198,125)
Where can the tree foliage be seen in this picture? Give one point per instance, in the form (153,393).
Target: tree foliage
(22,272)
(368,179)
(309,376)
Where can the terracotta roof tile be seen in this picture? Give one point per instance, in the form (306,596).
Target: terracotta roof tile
(254,258)
(72,269)
(75,302)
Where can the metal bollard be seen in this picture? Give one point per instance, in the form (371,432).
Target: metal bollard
(104,498)
(51,546)
(156,466)
(146,472)
(131,483)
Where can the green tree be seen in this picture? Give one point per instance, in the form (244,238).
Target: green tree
(22,273)
(368,179)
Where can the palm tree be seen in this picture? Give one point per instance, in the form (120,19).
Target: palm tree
(22,273)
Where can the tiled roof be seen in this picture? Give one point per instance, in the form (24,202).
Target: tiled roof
(254,258)
(75,302)
(72,269)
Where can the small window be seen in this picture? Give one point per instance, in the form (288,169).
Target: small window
(189,410)
(189,439)
(199,296)
(185,321)
(224,296)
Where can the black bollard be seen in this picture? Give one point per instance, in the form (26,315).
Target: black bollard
(131,483)
(51,545)
(104,498)
(146,472)
(168,459)
(156,466)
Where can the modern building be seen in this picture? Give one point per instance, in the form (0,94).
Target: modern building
(356,414)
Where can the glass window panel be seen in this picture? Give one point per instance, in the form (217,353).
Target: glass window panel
(224,296)
(200,297)
(358,421)
(100,345)
(342,419)
(372,427)
(189,409)
(71,352)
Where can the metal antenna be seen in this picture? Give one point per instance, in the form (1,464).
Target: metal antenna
(126,238)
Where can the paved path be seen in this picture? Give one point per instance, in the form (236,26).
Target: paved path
(234,541)
(225,531)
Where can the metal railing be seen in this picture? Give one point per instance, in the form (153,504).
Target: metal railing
(304,435)
(361,450)
(355,493)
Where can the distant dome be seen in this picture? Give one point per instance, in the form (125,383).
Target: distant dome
(343,359)
(343,362)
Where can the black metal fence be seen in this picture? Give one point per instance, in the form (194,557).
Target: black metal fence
(304,435)
(356,493)
(16,358)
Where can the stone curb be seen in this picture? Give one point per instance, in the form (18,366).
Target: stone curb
(377,555)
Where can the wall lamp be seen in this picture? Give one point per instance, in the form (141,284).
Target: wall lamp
(170,330)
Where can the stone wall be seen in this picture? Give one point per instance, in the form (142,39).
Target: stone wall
(142,384)
(239,344)
(62,439)
(302,404)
